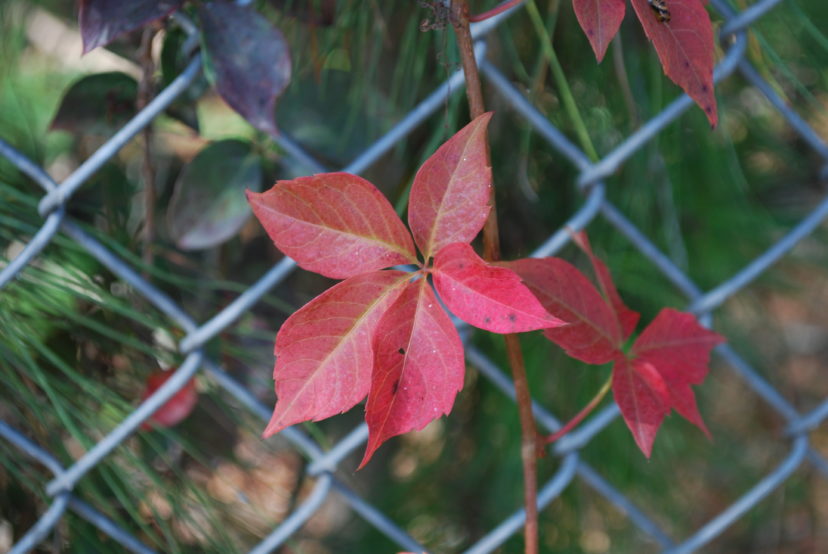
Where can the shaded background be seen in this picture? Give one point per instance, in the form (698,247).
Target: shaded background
(77,344)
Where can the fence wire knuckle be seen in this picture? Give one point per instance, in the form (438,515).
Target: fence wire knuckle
(322,465)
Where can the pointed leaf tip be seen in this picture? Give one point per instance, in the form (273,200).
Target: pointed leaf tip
(486,296)
(449,199)
(600,20)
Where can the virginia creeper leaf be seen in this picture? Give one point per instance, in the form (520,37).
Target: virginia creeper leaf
(176,408)
(418,367)
(449,199)
(208,207)
(324,351)
(679,348)
(336,224)
(627,319)
(600,20)
(592,333)
(486,296)
(247,59)
(101,21)
(642,397)
(684,45)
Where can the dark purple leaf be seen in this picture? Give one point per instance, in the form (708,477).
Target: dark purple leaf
(101,21)
(209,206)
(247,59)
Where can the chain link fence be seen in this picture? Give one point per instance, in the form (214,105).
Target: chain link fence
(323,463)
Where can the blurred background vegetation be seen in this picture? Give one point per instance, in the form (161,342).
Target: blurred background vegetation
(76,345)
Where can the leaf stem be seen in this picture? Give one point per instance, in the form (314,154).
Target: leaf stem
(567,97)
(491,252)
(602,392)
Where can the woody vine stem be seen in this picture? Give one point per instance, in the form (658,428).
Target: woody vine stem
(491,251)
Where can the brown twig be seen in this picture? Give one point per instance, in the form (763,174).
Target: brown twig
(491,251)
(145,93)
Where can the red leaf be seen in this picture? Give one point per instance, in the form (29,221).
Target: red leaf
(247,58)
(627,318)
(336,224)
(324,353)
(592,333)
(418,367)
(670,355)
(449,199)
(176,408)
(489,297)
(684,44)
(643,399)
(102,21)
(679,348)
(600,20)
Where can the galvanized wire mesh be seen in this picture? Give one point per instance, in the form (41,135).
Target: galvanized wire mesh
(323,464)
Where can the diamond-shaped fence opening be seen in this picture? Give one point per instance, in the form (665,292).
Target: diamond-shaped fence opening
(789,451)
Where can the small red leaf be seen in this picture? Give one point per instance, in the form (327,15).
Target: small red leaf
(449,199)
(418,367)
(489,297)
(176,408)
(682,35)
(101,21)
(642,397)
(592,333)
(247,58)
(679,348)
(324,353)
(600,20)
(627,319)
(336,224)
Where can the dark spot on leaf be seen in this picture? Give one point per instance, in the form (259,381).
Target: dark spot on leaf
(401,350)
(590,33)
(512,317)
(704,88)
(487,319)
(686,64)
(708,109)
(394,387)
